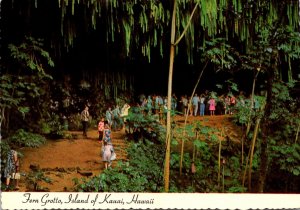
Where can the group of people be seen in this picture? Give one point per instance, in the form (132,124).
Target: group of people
(114,119)
(105,138)
(207,103)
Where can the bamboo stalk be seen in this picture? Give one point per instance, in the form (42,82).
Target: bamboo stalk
(243,145)
(252,151)
(194,148)
(219,162)
(186,116)
(223,175)
(251,102)
(245,170)
(170,79)
(253,145)
(297,133)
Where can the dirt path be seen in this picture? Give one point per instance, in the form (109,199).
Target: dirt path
(63,160)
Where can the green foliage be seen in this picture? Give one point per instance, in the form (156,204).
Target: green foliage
(74,122)
(237,189)
(281,99)
(219,53)
(24,82)
(6,88)
(31,55)
(188,133)
(142,173)
(34,178)
(175,160)
(145,126)
(286,156)
(204,151)
(53,127)
(143,28)
(27,139)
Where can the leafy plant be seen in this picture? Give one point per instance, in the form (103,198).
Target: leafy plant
(144,126)
(23,82)
(27,139)
(54,126)
(74,122)
(34,178)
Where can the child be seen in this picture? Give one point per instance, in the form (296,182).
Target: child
(107,152)
(106,133)
(212,106)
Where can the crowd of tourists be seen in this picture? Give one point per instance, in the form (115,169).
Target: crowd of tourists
(206,103)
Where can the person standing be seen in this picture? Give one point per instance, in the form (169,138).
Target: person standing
(174,102)
(116,118)
(202,105)
(227,104)
(84,120)
(212,106)
(185,103)
(107,152)
(11,170)
(125,112)
(232,103)
(107,133)
(195,102)
(109,115)
(190,106)
(149,104)
(101,129)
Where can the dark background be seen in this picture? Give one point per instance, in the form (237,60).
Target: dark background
(91,53)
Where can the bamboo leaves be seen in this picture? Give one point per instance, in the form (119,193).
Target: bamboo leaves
(208,16)
(148,21)
(127,29)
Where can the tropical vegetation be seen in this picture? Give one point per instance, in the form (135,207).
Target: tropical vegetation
(91,51)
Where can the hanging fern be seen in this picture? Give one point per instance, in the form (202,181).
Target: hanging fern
(144,23)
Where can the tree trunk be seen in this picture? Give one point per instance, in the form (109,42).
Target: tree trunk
(263,162)
(263,169)
(297,133)
(1,120)
(251,104)
(252,151)
(219,162)
(185,120)
(170,80)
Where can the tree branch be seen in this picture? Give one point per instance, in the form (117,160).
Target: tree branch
(185,29)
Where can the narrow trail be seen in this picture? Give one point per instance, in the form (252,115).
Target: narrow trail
(63,160)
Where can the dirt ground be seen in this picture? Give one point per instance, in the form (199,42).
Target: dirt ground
(65,159)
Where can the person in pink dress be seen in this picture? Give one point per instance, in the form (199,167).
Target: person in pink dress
(212,106)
